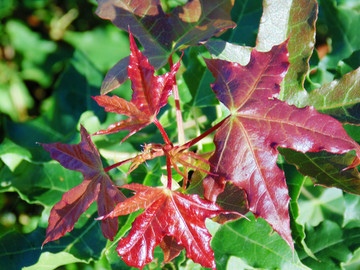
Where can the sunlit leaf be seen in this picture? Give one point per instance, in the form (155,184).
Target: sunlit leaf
(246,143)
(167,213)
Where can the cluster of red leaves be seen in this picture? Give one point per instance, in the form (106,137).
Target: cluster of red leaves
(150,93)
(246,153)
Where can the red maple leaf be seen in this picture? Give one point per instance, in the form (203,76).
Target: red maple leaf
(150,93)
(246,143)
(97,186)
(167,213)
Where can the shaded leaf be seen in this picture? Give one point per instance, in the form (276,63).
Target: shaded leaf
(246,15)
(246,143)
(84,243)
(170,248)
(97,185)
(160,33)
(166,213)
(233,199)
(150,93)
(327,169)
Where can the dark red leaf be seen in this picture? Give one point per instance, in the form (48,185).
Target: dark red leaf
(150,93)
(246,143)
(97,186)
(163,33)
(167,213)
(233,199)
(170,248)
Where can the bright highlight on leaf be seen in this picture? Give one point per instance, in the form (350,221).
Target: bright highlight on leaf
(246,143)
(97,186)
(150,93)
(167,213)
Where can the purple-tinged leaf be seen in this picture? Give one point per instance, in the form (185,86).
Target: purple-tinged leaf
(97,186)
(246,143)
(160,33)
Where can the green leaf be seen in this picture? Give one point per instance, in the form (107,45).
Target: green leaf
(343,24)
(78,82)
(50,261)
(40,183)
(246,14)
(339,98)
(83,243)
(255,244)
(34,49)
(352,211)
(330,244)
(15,99)
(294,20)
(326,169)
(301,30)
(197,78)
(228,51)
(100,45)
(315,209)
(294,181)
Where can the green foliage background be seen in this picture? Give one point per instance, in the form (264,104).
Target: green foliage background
(53,57)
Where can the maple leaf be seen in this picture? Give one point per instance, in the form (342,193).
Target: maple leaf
(167,213)
(97,186)
(150,93)
(246,143)
(163,33)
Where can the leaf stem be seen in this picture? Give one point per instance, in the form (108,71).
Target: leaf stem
(206,133)
(168,168)
(162,131)
(179,119)
(106,169)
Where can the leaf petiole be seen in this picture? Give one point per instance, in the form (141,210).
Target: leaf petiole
(179,119)
(162,131)
(203,135)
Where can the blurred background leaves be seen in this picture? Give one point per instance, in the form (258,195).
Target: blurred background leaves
(54,55)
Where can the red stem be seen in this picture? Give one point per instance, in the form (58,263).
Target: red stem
(117,165)
(179,119)
(168,168)
(162,131)
(206,133)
